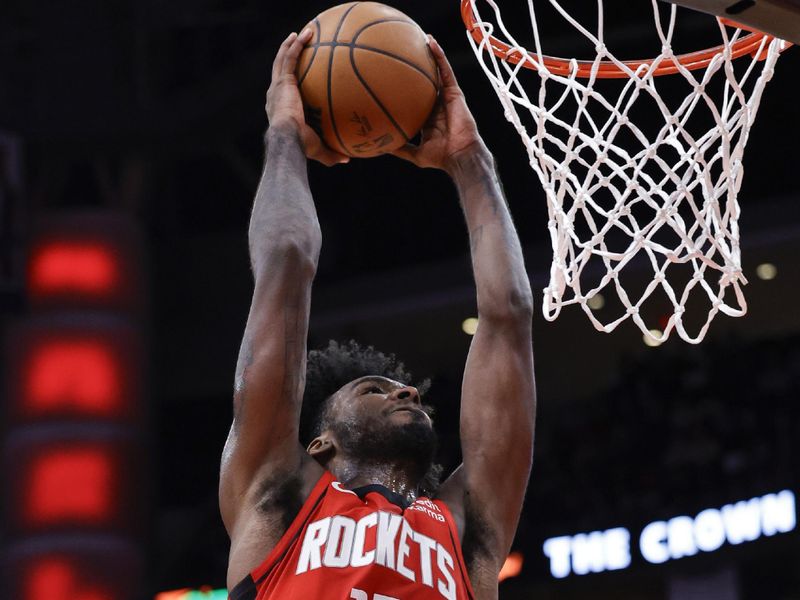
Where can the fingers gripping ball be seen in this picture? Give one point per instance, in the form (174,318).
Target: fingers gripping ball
(367,78)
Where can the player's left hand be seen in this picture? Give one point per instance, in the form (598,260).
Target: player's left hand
(451,128)
(285,106)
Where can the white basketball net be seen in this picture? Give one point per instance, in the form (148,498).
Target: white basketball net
(670,191)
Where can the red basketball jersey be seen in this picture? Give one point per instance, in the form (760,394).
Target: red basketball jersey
(363,544)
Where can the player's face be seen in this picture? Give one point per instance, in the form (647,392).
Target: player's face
(379,398)
(376,417)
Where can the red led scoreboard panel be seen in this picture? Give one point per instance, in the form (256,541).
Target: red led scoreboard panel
(86,261)
(72,463)
(74,478)
(73,568)
(85,367)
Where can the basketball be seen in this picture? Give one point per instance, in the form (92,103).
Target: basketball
(367,78)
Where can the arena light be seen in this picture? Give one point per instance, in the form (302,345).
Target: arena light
(70,484)
(512,567)
(74,267)
(470,326)
(766,271)
(648,341)
(596,302)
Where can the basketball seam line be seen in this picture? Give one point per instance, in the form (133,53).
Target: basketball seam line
(330,77)
(352,45)
(313,55)
(380,21)
(373,95)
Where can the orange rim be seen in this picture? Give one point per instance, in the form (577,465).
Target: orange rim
(747,45)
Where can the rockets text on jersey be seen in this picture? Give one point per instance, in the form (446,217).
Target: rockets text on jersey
(343,541)
(363,544)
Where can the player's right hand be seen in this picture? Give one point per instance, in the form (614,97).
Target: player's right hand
(451,130)
(284,105)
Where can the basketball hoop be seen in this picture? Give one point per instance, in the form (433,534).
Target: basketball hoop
(665,186)
(607,69)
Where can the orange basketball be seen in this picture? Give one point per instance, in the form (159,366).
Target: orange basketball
(367,78)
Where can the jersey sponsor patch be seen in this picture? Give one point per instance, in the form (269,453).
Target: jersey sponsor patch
(429,508)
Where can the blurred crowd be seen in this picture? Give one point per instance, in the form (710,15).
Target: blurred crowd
(682,428)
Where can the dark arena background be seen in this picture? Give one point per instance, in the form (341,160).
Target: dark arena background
(130,150)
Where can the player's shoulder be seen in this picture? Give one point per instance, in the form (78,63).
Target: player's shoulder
(276,501)
(282,492)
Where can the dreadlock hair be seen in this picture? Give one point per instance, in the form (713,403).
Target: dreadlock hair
(329,369)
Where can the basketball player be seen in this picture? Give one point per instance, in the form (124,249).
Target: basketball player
(354,511)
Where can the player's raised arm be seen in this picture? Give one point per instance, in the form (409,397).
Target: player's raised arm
(284,240)
(498,393)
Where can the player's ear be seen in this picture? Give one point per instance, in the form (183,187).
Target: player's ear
(322,448)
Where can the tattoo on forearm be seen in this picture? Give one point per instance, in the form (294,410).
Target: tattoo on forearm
(475,237)
(243,364)
(291,324)
(295,327)
(490,186)
(496,251)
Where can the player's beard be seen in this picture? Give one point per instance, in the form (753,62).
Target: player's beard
(381,441)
